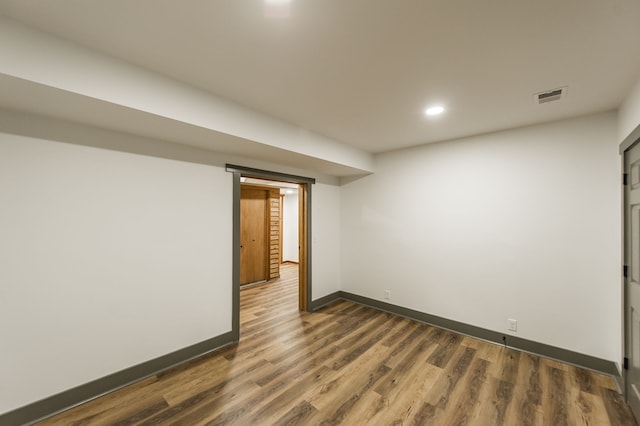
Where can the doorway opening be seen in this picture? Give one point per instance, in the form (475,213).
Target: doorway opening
(260,197)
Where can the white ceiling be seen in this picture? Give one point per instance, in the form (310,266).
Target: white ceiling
(277,184)
(363,71)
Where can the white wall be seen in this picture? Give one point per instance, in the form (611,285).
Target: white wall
(290,226)
(629,114)
(109,259)
(116,249)
(325,240)
(521,224)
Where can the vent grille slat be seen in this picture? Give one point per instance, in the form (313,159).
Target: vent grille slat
(550,95)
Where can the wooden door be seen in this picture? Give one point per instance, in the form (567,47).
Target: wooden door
(254,252)
(632,277)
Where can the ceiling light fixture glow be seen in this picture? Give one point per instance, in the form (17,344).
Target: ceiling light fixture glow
(277,9)
(435,110)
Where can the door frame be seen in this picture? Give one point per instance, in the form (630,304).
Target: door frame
(625,263)
(630,142)
(304,237)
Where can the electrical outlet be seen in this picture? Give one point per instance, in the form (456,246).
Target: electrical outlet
(512,325)
(387,295)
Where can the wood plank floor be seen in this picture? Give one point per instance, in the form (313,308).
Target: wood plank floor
(353,365)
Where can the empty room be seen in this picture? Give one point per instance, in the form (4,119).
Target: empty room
(318,212)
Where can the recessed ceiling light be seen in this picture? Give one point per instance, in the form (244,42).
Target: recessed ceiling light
(435,110)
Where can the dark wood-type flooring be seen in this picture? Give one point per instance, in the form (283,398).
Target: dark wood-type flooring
(353,365)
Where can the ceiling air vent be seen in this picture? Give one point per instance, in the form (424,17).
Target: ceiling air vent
(550,95)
